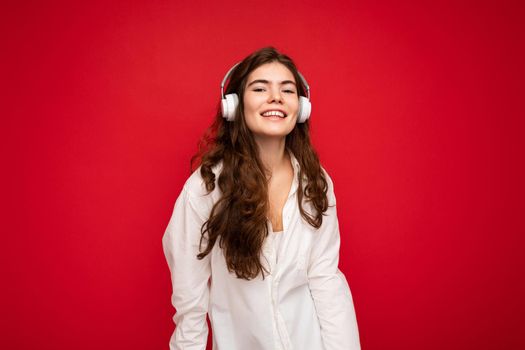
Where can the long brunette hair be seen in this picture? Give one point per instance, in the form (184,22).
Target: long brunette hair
(239,218)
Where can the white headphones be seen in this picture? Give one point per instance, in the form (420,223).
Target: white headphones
(230,102)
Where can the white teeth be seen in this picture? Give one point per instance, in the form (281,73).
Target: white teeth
(275,113)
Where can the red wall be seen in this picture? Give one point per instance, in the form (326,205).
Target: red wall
(417,115)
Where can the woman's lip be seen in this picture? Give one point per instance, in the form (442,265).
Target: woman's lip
(275,110)
(273,116)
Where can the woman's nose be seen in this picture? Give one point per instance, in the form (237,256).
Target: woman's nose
(275,95)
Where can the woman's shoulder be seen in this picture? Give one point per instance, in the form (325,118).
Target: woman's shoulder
(326,175)
(330,184)
(297,165)
(195,185)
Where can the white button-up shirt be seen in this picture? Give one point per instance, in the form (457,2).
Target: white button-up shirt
(305,303)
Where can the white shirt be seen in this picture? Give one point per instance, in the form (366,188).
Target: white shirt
(305,303)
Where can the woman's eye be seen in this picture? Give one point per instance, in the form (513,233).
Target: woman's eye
(261,89)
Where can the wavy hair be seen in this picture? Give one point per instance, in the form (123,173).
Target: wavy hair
(239,218)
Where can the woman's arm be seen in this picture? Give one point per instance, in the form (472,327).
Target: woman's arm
(189,276)
(328,286)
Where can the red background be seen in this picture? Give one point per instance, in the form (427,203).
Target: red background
(417,115)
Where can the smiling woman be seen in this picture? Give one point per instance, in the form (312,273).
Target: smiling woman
(272,280)
(271,99)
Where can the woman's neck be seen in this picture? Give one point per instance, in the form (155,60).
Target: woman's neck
(272,152)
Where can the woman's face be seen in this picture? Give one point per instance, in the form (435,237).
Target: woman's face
(271,87)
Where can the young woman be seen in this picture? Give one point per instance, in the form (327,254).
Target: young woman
(254,238)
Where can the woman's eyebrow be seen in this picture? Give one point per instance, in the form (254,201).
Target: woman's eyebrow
(264,81)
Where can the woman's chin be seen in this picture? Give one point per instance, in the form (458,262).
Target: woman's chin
(271,135)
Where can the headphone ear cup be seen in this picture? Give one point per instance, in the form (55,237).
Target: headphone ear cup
(305,109)
(229,105)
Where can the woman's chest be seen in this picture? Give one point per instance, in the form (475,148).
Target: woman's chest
(286,261)
(278,192)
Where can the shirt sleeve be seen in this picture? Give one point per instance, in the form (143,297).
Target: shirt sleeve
(328,286)
(189,275)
